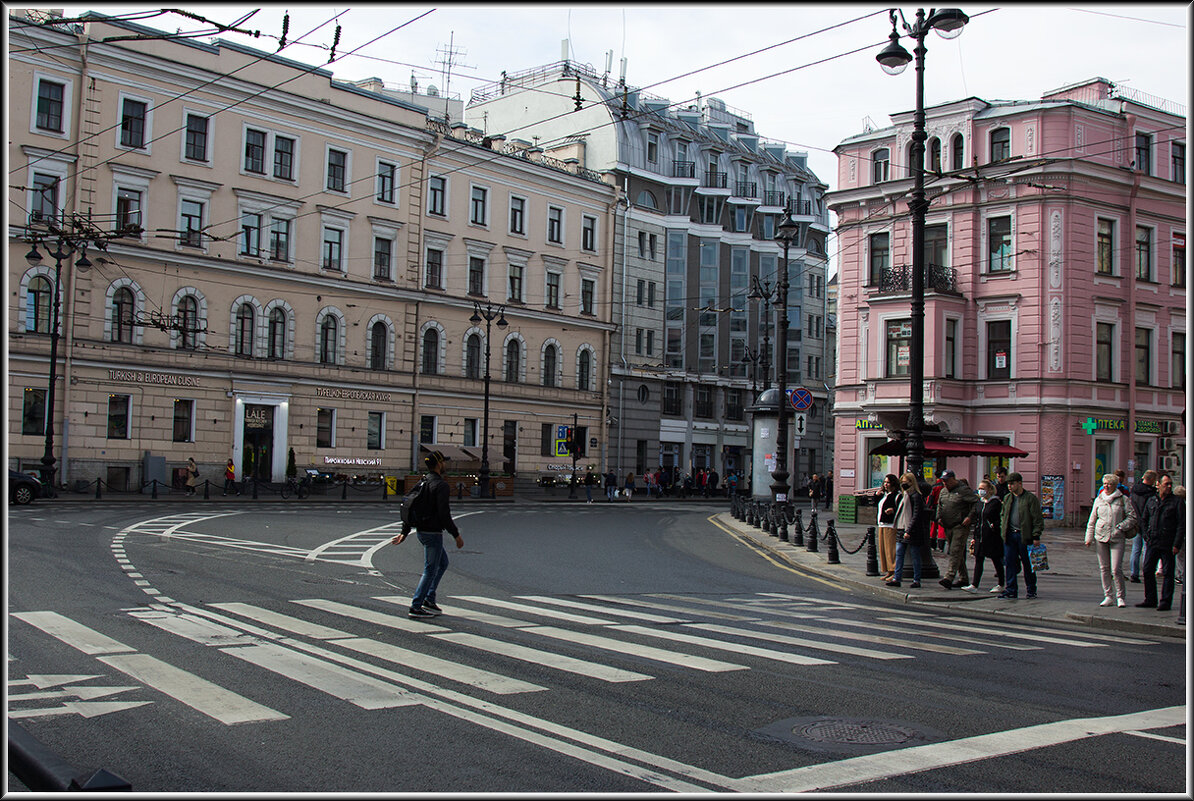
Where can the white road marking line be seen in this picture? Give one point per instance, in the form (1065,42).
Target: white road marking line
(800,642)
(1091,635)
(916,759)
(722,645)
(613,599)
(43,680)
(85,693)
(634,649)
(442,668)
(555,614)
(88,709)
(76,635)
(1151,736)
(873,638)
(646,616)
(370,616)
(979,627)
(501,621)
(356,688)
(192,628)
(870,625)
(285,622)
(545,658)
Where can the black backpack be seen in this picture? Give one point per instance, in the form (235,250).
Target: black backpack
(416,506)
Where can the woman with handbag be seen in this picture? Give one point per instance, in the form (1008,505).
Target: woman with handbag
(987,542)
(192,475)
(912,528)
(1112,517)
(885,517)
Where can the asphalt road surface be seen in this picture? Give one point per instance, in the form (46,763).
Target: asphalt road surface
(591,648)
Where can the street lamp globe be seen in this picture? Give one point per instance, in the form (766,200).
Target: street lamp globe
(948,22)
(33,256)
(893,58)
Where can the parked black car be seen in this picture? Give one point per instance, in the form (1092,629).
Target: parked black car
(22,487)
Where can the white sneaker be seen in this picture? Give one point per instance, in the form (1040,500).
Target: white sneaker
(997,588)
(1106,602)
(1121,603)
(970,588)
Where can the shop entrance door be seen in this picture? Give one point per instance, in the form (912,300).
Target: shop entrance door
(258,442)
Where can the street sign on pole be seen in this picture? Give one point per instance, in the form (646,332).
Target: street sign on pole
(801,398)
(798,424)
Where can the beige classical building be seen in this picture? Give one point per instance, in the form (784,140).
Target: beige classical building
(300,262)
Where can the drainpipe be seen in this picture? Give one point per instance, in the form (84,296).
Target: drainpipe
(606,346)
(625,365)
(1130,119)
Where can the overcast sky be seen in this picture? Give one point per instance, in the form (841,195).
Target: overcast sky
(809,93)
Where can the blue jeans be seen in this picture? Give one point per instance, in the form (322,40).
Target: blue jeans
(588,492)
(435,563)
(1015,553)
(902,547)
(1137,555)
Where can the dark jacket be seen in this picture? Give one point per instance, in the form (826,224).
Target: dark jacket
(1140,494)
(954,506)
(988,531)
(1164,519)
(918,529)
(441,517)
(889,500)
(1032,521)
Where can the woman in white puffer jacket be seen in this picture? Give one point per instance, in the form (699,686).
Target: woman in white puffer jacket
(1112,518)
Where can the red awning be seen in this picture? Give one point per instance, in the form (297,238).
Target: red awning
(941,447)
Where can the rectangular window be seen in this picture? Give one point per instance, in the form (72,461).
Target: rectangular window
(642,244)
(427,428)
(1001,144)
(196,148)
(434,277)
(880,249)
(650,343)
(546,440)
(191,224)
(553,291)
(555,224)
(128,210)
(999,349)
(641,292)
(1105,247)
(45,197)
(383,256)
(377,431)
(250,234)
(702,401)
(1144,349)
(471,438)
(518,215)
(437,191)
(132,123)
(279,240)
(652,148)
(638,342)
(899,348)
(1144,253)
(515,288)
(284,158)
(254,151)
(1179,260)
(184,420)
(33,412)
(49,105)
(588,233)
(1104,348)
(1177,362)
(1177,151)
(476,276)
(673,399)
(479,211)
(386,174)
(734,404)
(325,428)
(588,292)
(951,349)
(118,416)
(651,240)
(999,245)
(650,294)
(1144,153)
(936,246)
(337,170)
(333,249)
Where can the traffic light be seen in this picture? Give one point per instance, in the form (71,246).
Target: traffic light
(569,439)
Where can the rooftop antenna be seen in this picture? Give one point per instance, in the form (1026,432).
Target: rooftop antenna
(448,59)
(609,66)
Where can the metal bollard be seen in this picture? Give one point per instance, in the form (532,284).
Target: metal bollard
(773,521)
(254,488)
(206,490)
(97,489)
(832,555)
(783,522)
(812,530)
(344,490)
(872,553)
(154,491)
(798,529)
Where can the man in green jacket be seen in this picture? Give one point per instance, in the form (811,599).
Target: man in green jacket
(1022,523)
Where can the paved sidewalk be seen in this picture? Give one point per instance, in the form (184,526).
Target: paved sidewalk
(1069,592)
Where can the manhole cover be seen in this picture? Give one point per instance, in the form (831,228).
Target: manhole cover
(842,731)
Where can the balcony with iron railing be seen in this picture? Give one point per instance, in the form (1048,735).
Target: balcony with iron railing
(746,189)
(800,208)
(898,279)
(773,198)
(683,169)
(715,179)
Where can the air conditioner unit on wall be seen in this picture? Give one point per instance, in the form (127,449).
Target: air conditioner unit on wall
(1170,464)
(1171,426)
(1166,443)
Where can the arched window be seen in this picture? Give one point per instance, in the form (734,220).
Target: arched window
(431,351)
(37,306)
(935,154)
(880,165)
(122,315)
(584,366)
(647,200)
(513,361)
(188,319)
(277,333)
(378,345)
(327,340)
(472,356)
(956,152)
(549,366)
(244,330)
(908,158)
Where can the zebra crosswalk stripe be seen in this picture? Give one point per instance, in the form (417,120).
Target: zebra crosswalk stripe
(635,649)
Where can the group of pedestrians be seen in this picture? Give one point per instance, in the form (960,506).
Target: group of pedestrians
(995,524)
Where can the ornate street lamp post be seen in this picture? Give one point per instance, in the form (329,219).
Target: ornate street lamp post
(787,233)
(948,23)
(489,315)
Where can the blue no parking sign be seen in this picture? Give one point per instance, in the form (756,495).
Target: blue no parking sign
(802,399)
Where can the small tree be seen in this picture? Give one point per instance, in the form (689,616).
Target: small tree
(291,467)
